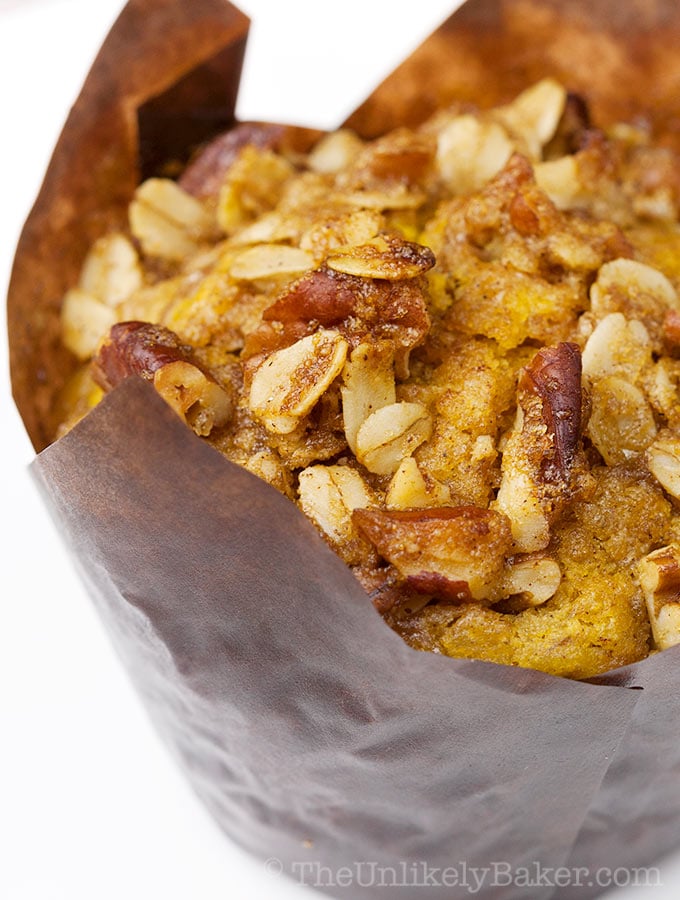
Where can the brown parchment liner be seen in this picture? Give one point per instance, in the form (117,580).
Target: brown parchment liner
(310,730)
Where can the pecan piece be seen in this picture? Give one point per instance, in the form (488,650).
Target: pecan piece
(157,355)
(554,377)
(659,575)
(320,296)
(538,460)
(447,551)
(394,311)
(671,332)
(204,174)
(401,157)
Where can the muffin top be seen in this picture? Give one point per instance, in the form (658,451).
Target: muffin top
(455,347)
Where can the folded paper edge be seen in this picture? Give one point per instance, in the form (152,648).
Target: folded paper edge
(93,173)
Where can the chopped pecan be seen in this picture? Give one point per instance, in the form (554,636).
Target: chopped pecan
(204,174)
(322,296)
(360,308)
(538,460)
(440,546)
(157,355)
(136,348)
(671,332)
(554,378)
(440,586)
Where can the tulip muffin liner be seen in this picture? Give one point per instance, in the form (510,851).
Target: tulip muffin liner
(310,730)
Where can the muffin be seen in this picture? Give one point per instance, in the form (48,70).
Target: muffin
(454,347)
(313,732)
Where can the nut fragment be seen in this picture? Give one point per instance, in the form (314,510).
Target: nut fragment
(205,173)
(385,256)
(365,308)
(157,355)
(289,382)
(328,495)
(195,397)
(539,455)
(368,385)
(663,461)
(659,574)
(457,549)
(390,434)
(168,222)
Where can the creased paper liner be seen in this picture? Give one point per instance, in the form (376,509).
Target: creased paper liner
(310,730)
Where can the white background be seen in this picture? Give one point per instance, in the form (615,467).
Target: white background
(91,806)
